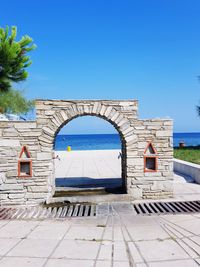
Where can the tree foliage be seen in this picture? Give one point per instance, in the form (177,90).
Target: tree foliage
(13,58)
(14,102)
(13,64)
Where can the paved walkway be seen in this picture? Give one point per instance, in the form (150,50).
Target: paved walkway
(98,167)
(89,163)
(93,168)
(120,239)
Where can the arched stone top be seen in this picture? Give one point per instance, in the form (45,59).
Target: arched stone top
(53,115)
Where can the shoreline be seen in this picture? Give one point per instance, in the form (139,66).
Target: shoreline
(79,150)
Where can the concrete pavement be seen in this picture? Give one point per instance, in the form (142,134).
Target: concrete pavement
(119,239)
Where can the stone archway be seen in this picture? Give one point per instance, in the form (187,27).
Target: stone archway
(141,179)
(58,118)
(123,188)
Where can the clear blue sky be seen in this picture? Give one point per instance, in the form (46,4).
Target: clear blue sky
(146,49)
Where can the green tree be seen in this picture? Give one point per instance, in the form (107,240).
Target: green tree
(14,102)
(13,64)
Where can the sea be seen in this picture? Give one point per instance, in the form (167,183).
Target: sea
(112,141)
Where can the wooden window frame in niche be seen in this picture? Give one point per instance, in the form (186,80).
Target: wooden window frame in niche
(26,160)
(145,163)
(150,156)
(19,168)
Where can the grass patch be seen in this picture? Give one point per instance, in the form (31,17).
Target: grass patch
(191,154)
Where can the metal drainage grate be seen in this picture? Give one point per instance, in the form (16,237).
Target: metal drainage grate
(51,212)
(167,207)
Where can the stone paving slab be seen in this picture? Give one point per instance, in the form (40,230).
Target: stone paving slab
(116,239)
(7,244)
(161,250)
(34,248)
(69,263)
(77,249)
(22,262)
(76,232)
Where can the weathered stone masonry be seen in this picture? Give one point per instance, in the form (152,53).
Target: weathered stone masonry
(39,137)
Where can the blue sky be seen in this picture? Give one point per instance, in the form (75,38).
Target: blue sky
(139,49)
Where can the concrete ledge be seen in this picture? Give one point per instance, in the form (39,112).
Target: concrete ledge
(187,168)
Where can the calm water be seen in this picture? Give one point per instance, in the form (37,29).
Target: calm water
(88,141)
(190,139)
(111,141)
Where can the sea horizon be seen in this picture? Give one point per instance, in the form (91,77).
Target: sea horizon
(116,133)
(99,141)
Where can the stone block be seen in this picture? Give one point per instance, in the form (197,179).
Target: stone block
(38,188)
(25,125)
(142,145)
(94,110)
(29,195)
(9,187)
(125,126)
(86,109)
(115,116)
(163,133)
(169,122)
(32,133)
(140,127)
(12,173)
(103,109)
(3,161)
(2,178)
(123,121)
(9,143)
(131,140)
(64,115)
(162,185)
(48,131)
(49,112)
(136,192)
(108,111)
(16,196)
(135,161)
(10,132)
(3,197)
(44,156)
(119,119)
(55,122)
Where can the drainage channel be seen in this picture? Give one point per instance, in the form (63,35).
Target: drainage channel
(48,212)
(167,207)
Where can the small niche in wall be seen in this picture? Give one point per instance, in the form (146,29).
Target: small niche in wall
(150,149)
(150,159)
(24,163)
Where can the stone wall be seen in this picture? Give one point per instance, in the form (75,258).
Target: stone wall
(39,137)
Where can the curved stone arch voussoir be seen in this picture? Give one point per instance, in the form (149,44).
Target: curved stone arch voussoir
(108,113)
(114,112)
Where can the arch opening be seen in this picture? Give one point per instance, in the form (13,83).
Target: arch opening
(96,162)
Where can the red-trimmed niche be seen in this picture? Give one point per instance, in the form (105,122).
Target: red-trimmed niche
(24,163)
(150,158)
